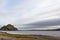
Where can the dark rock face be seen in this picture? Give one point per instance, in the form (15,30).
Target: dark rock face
(8,27)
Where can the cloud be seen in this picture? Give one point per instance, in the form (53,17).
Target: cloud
(32,11)
(29,11)
(46,23)
(6,15)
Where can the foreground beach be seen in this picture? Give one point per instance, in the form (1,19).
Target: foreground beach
(5,36)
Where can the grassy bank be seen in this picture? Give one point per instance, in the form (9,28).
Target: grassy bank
(16,35)
(5,36)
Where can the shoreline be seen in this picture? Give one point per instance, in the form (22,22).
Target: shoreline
(6,36)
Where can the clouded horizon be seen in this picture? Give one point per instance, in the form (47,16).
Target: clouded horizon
(30,13)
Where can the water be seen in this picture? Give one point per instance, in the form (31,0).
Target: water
(49,33)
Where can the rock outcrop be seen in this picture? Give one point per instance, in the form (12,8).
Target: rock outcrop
(8,27)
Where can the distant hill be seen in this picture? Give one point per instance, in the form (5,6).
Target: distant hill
(57,29)
(8,27)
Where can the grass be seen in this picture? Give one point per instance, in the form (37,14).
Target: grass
(38,37)
(16,35)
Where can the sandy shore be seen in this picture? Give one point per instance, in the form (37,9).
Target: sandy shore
(30,37)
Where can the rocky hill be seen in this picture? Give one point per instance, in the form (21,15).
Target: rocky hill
(8,27)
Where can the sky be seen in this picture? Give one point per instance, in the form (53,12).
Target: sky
(30,13)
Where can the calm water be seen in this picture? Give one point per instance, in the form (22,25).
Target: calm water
(50,33)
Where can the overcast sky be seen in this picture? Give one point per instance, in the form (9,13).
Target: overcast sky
(38,13)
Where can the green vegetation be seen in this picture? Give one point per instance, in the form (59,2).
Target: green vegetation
(5,36)
(16,35)
(8,27)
